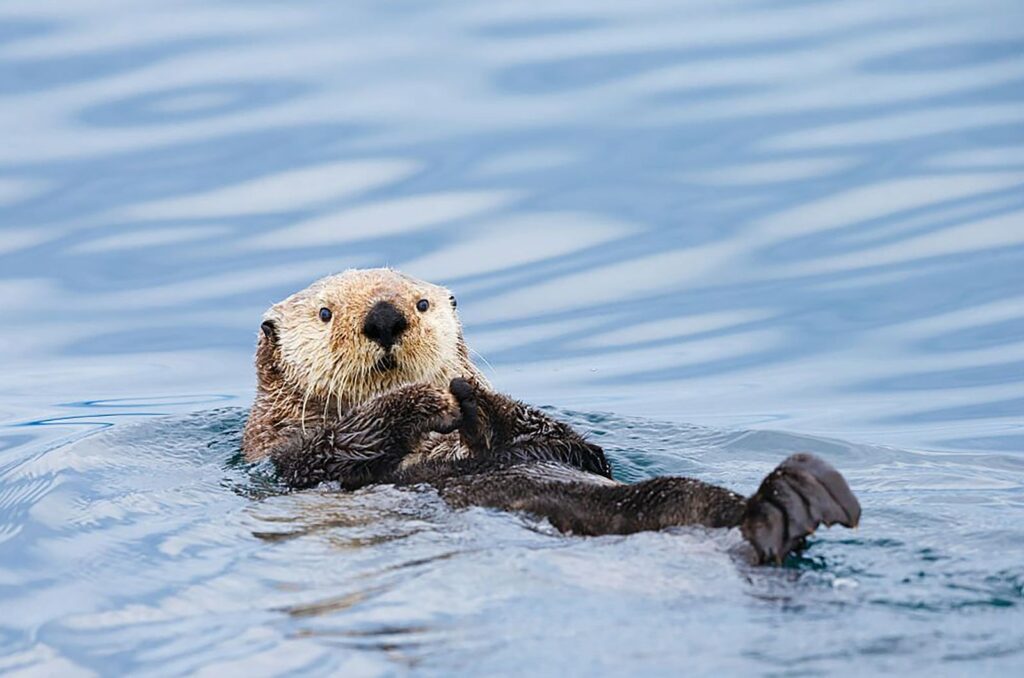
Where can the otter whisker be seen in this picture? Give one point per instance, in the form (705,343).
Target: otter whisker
(485,361)
(305,399)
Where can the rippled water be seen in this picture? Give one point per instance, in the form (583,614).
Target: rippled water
(710,233)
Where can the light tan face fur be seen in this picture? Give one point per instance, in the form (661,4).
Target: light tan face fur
(334,364)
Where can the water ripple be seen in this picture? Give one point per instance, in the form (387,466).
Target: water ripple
(787,224)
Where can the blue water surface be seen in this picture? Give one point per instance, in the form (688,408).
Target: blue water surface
(709,233)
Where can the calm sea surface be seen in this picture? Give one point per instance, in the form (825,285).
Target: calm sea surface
(709,233)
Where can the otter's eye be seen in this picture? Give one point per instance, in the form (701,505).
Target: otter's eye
(422,305)
(325,315)
(454,301)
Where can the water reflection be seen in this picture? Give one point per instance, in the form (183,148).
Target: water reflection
(790,216)
(191,103)
(550,208)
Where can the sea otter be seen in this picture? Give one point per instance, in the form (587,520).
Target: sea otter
(364,377)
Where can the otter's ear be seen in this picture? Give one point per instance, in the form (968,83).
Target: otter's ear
(269,328)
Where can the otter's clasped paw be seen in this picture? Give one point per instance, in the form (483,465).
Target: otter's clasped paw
(471,428)
(408,412)
(800,494)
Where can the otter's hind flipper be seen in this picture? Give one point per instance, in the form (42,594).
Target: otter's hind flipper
(803,492)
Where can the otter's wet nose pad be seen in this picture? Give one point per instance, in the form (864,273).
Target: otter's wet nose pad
(384,324)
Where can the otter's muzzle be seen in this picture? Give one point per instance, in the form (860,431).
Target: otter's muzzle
(384,324)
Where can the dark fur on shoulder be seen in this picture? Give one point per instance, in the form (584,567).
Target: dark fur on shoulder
(510,456)
(501,430)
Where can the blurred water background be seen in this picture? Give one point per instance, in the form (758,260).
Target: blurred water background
(709,232)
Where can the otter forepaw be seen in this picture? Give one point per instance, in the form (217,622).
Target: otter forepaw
(417,402)
(446,423)
(801,493)
(470,427)
(411,411)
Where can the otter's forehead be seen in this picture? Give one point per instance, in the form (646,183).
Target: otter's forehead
(356,334)
(368,283)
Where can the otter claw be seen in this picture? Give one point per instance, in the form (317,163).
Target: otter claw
(800,494)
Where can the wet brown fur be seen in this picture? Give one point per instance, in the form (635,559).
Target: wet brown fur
(433,419)
(309,373)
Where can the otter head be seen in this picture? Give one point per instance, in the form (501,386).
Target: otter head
(349,337)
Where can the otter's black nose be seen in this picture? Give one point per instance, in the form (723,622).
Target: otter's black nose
(384,324)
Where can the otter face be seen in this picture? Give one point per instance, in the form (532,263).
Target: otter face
(351,336)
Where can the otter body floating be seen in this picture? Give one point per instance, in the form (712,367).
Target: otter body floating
(364,377)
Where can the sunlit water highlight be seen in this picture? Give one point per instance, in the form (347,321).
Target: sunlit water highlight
(709,233)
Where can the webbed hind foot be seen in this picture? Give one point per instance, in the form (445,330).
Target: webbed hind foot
(801,493)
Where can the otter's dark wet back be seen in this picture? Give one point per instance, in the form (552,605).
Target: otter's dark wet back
(711,232)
